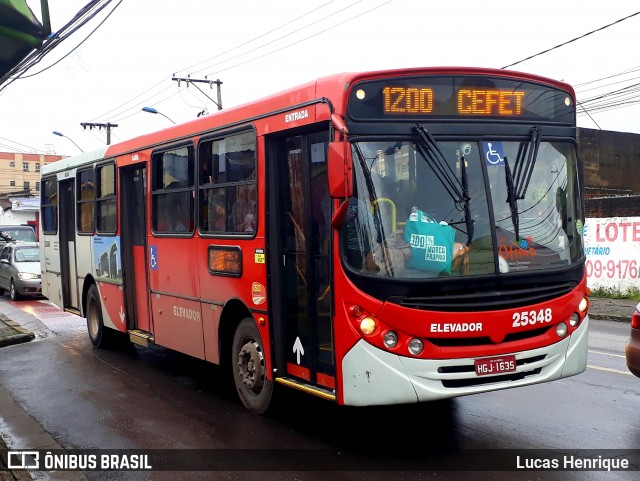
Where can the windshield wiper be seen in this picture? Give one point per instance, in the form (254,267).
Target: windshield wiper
(523,170)
(458,191)
(518,182)
(512,199)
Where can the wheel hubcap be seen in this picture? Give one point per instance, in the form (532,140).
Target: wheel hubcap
(251,366)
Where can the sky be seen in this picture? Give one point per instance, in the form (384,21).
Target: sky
(259,47)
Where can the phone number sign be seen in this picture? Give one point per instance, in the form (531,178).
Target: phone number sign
(612,246)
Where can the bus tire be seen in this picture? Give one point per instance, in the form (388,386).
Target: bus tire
(95,325)
(249,368)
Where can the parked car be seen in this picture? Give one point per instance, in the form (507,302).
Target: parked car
(632,349)
(22,233)
(20,269)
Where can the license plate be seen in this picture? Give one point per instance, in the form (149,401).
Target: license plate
(495,365)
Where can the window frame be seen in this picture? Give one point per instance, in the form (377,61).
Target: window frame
(203,188)
(160,191)
(106,199)
(54,207)
(81,202)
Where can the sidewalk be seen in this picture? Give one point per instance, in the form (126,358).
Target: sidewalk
(605,308)
(13,333)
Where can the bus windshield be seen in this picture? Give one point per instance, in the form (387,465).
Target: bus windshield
(461,208)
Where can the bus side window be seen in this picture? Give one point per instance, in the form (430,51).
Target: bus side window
(173,185)
(227,184)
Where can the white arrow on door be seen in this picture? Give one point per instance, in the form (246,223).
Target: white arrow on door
(298,349)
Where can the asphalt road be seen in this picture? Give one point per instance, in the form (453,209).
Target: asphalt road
(84,397)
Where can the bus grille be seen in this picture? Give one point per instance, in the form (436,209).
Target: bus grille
(479,381)
(485,300)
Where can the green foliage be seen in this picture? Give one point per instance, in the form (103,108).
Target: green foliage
(633,293)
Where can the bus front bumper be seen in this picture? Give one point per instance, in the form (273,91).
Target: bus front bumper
(372,376)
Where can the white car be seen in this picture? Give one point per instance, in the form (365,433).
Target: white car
(20,269)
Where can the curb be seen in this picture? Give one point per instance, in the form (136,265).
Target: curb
(607,317)
(23,335)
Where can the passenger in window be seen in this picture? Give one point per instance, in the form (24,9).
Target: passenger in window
(172,219)
(220,213)
(244,208)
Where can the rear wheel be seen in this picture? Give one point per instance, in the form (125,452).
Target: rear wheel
(249,368)
(95,325)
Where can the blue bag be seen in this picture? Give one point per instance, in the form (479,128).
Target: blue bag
(431,243)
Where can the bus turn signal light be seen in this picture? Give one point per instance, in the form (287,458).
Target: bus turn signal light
(368,325)
(584,305)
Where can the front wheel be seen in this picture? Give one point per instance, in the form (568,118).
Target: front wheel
(249,368)
(13,293)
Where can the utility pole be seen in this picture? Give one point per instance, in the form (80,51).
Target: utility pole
(189,80)
(108,126)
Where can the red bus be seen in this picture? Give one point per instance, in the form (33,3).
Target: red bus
(370,238)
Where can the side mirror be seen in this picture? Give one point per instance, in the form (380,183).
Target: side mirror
(340,170)
(4,261)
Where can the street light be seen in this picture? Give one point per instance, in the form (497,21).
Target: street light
(151,110)
(60,134)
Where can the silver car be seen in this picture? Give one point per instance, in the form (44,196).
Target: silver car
(20,270)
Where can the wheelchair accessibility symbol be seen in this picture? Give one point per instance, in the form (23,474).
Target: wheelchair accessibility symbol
(153,257)
(493,153)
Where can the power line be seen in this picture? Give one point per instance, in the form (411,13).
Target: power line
(147,90)
(304,27)
(86,14)
(77,46)
(572,40)
(238,64)
(256,38)
(301,40)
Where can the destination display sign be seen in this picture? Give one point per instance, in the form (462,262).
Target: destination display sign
(459,97)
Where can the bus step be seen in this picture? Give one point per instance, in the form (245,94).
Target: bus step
(73,310)
(309,388)
(141,338)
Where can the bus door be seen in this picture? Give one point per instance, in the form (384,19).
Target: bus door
(133,215)
(300,246)
(67,226)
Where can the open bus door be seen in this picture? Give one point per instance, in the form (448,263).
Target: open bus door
(300,249)
(133,215)
(67,223)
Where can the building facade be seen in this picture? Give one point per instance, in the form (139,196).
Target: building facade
(20,172)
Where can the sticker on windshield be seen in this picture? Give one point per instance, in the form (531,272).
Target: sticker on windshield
(493,153)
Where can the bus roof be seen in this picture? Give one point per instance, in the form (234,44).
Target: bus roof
(334,88)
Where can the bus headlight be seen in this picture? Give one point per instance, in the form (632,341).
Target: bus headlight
(415,346)
(390,339)
(561,329)
(574,319)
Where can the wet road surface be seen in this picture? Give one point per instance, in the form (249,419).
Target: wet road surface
(154,399)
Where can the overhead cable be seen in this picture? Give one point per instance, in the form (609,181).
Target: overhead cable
(572,40)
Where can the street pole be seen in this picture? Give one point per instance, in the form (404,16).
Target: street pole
(189,80)
(108,126)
